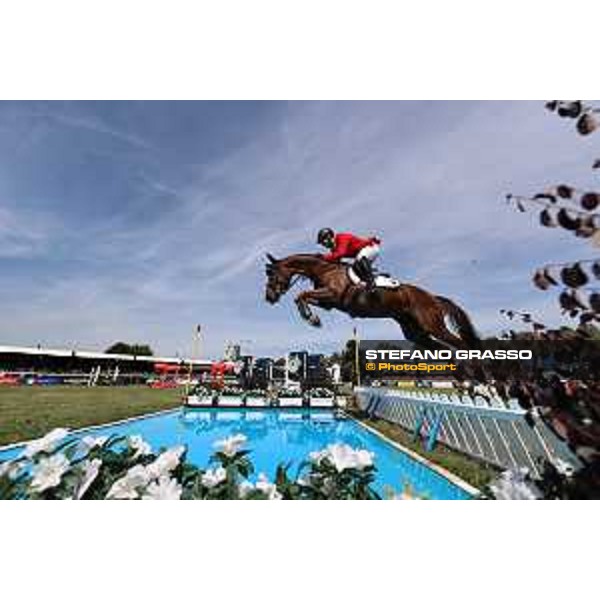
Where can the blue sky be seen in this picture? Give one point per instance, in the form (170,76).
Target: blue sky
(135,220)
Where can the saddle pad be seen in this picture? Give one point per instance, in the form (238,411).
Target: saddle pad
(381,281)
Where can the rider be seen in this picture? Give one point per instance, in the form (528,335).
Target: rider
(364,251)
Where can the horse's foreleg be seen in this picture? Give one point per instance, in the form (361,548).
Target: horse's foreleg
(314,297)
(306,313)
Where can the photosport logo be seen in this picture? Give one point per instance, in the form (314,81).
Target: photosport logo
(495,359)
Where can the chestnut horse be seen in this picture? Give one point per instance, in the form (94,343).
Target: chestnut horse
(421,315)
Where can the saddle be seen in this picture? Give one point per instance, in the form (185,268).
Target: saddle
(382,280)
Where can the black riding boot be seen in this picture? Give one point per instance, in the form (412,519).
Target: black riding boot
(366,273)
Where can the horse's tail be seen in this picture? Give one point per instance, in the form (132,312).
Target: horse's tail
(461,321)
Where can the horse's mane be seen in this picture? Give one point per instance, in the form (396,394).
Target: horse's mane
(304,255)
(312,260)
(311,256)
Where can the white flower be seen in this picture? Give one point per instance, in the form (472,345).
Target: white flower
(89,441)
(165,489)
(213,477)
(245,488)
(48,472)
(10,469)
(231,445)
(45,444)
(126,487)
(563,467)
(166,462)
(317,456)
(136,442)
(344,457)
(139,476)
(363,459)
(513,485)
(262,485)
(91,468)
(266,487)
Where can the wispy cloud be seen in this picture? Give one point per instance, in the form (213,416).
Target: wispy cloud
(25,234)
(143,244)
(92,125)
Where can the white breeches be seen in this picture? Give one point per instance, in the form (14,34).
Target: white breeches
(369,252)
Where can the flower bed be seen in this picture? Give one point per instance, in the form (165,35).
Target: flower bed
(200,396)
(58,467)
(321,398)
(257,398)
(231,396)
(125,468)
(289,398)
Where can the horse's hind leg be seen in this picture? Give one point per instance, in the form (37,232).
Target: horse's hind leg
(435,325)
(446,336)
(427,328)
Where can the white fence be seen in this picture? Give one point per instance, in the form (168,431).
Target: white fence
(488,429)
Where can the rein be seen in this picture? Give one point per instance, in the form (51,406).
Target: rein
(295,279)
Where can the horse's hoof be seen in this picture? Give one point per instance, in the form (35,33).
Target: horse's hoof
(316,322)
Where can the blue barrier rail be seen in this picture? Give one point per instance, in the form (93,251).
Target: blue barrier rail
(488,429)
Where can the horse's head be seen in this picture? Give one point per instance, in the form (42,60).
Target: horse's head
(278,279)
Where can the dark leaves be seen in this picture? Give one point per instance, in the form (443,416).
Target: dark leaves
(590,200)
(575,109)
(565,191)
(586,124)
(574,276)
(568,220)
(547,219)
(570,110)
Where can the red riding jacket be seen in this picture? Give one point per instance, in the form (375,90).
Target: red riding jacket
(347,245)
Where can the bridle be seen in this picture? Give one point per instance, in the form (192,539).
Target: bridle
(294,279)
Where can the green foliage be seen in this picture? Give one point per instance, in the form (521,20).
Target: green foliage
(348,363)
(60,467)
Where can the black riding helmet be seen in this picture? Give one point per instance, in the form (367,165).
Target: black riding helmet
(325,236)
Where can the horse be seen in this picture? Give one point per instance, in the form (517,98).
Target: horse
(420,314)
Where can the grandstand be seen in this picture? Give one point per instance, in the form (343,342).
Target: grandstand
(51,365)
